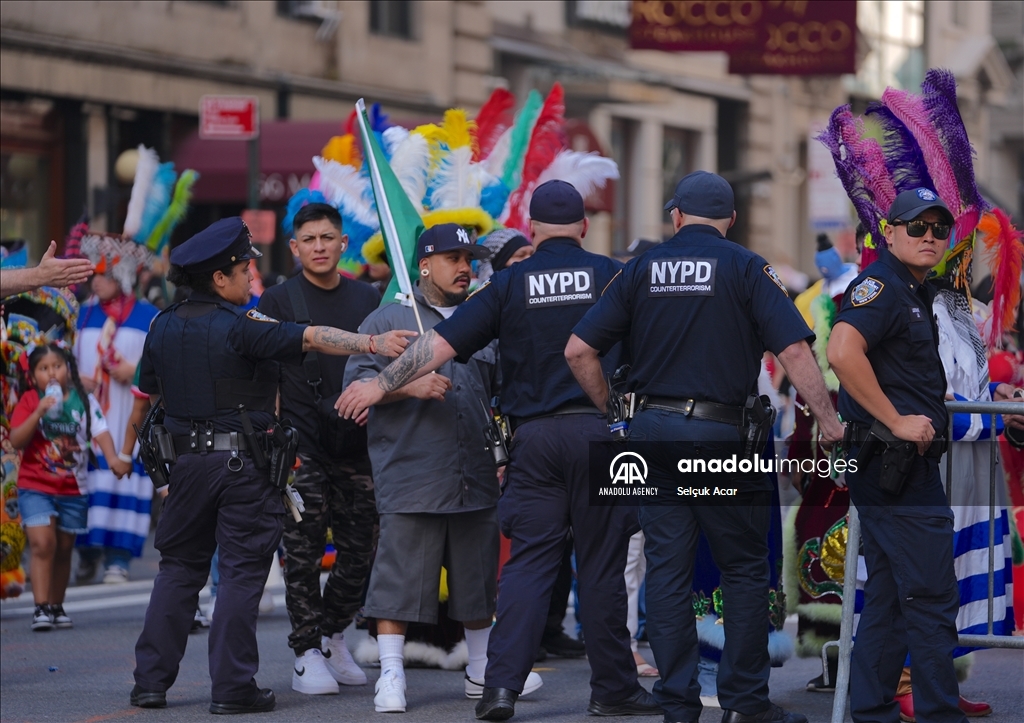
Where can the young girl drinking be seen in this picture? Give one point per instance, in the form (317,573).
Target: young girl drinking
(54,423)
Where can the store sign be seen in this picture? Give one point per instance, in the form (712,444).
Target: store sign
(229,117)
(603,13)
(783,37)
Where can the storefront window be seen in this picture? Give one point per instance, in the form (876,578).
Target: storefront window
(24,199)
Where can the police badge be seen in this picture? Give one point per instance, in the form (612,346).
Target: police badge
(866,291)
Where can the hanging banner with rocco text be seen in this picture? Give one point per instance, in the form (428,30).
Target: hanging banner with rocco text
(780,37)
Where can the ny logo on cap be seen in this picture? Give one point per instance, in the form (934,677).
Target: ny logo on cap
(463,236)
(925,195)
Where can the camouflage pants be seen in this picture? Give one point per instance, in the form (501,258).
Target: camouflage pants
(339,496)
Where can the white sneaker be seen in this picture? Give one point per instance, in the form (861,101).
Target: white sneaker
(310,675)
(475,686)
(115,575)
(390,693)
(340,663)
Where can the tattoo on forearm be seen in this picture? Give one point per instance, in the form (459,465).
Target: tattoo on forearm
(327,336)
(414,358)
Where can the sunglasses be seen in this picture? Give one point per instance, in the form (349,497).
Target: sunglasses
(917,228)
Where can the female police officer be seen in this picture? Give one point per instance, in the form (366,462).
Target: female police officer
(207,359)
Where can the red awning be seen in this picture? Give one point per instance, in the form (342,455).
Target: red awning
(286,152)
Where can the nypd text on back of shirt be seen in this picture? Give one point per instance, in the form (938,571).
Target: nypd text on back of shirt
(682,276)
(557,287)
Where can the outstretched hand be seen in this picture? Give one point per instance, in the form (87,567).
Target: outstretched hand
(393,343)
(62,272)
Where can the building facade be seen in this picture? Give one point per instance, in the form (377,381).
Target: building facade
(82,82)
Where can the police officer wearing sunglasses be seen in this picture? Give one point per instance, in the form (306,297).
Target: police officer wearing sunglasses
(884,349)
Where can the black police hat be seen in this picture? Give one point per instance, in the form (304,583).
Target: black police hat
(218,245)
(446,237)
(703,194)
(557,202)
(911,204)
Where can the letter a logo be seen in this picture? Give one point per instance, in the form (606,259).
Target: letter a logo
(628,468)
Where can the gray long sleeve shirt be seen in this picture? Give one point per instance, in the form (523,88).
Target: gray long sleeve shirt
(429,456)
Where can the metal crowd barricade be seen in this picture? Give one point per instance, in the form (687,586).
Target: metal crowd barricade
(853,544)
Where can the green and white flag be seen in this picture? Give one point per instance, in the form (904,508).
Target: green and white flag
(400,222)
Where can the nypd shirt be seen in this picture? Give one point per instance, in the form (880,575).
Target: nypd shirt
(892,311)
(531,308)
(699,311)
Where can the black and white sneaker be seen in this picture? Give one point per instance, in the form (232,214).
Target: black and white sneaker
(61,620)
(42,619)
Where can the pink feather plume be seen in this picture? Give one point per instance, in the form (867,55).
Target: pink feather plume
(869,158)
(1005,245)
(909,108)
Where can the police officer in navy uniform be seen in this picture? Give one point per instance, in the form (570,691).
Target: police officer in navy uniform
(211,364)
(530,308)
(884,349)
(699,311)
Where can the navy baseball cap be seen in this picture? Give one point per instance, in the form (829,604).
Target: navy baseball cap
(557,202)
(911,204)
(220,244)
(703,194)
(446,237)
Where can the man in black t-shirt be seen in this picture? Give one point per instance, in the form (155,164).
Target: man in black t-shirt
(335,483)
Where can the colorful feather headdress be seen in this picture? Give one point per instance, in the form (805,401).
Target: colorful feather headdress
(158,203)
(479,173)
(921,141)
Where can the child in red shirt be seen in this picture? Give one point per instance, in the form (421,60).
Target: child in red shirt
(55,431)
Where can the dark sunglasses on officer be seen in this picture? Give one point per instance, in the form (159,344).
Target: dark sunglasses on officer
(918,228)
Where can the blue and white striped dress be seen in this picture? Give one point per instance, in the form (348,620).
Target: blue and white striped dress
(119,510)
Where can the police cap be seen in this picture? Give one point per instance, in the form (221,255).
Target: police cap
(218,245)
(556,202)
(911,204)
(703,194)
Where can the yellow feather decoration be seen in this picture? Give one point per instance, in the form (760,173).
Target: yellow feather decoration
(475,218)
(343,150)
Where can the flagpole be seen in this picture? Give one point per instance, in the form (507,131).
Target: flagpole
(387,221)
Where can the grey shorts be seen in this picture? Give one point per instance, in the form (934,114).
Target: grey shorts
(406,575)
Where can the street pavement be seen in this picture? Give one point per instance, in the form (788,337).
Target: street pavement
(85,674)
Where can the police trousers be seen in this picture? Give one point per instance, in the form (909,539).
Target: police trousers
(737,533)
(208,506)
(546,494)
(338,495)
(911,597)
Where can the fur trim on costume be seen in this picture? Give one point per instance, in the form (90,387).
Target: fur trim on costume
(790,578)
(809,645)
(821,612)
(710,633)
(417,655)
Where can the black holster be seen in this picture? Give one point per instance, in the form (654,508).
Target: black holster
(156,450)
(897,458)
(758,419)
(496,437)
(282,444)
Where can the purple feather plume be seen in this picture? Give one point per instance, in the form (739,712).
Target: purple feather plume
(909,108)
(903,156)
(939,88)
(846,168)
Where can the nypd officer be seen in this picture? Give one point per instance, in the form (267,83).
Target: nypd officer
(884,349)
(699,312)
(206,360)
(530,308)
